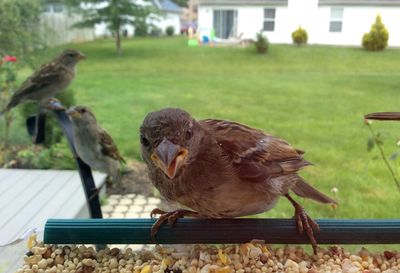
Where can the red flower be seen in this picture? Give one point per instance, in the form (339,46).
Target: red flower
(10,59)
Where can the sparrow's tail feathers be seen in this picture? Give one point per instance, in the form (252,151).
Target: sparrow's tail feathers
(13,102)
(291,166)
(303,189)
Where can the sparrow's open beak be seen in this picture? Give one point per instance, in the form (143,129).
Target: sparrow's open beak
(73,113)
(384,116)
(81,56)
(169,157)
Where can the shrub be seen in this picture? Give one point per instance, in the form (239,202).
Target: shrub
(141,28)
(57,156)
(170,30)
(377,38)
(53,132)
(261,43)
(300,36)
(8,77)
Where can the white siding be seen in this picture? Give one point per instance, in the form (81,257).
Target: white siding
(356,22)
(169,19)
(315,19)
(250,20)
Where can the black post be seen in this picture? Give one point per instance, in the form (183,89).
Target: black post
(36,128)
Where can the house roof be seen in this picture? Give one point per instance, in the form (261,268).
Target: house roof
(243,2)
(167,6)
(359,2)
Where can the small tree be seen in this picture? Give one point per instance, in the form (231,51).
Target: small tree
(115,13)
(261,43)
(377,38)
(21,30)
(300,36)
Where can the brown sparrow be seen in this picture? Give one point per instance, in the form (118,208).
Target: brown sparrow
(93,145)
(49,80)
(222,169)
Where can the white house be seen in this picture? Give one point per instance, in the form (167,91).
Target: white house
(169,16)
(335,22)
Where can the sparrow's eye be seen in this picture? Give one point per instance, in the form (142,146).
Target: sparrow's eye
(145,142)
(189,133)
(71,55)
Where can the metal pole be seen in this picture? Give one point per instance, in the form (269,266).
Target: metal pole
(36,128)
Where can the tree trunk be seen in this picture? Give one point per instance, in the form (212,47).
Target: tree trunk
(118,42)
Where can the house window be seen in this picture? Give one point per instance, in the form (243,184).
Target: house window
(225,23)
(335,25)
(269,20)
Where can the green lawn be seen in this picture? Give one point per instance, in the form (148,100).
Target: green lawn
(314,97)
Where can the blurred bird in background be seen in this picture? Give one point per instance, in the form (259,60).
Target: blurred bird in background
(93,144)
(48,81)
(222,169)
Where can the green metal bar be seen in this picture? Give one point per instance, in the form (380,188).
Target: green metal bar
(185,231)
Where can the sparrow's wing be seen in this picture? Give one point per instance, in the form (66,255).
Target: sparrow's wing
(255,155)
(108,147)
(47,75)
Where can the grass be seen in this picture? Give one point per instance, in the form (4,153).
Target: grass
(313,96)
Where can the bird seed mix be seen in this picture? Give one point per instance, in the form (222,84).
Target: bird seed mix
(244,258)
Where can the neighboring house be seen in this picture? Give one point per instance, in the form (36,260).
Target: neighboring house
(189,13)
(336,22)
(169,16)
(58,23)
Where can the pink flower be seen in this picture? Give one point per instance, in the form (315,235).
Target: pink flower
(11,59)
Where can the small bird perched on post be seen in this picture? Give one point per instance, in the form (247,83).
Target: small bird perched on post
(222,169)
(93,145)
(48,81)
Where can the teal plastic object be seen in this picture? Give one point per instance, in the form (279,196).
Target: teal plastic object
(218,231)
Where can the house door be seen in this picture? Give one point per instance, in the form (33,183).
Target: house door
(225,23)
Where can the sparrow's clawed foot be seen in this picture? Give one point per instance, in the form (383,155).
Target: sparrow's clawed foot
(171,217)
(304,222)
